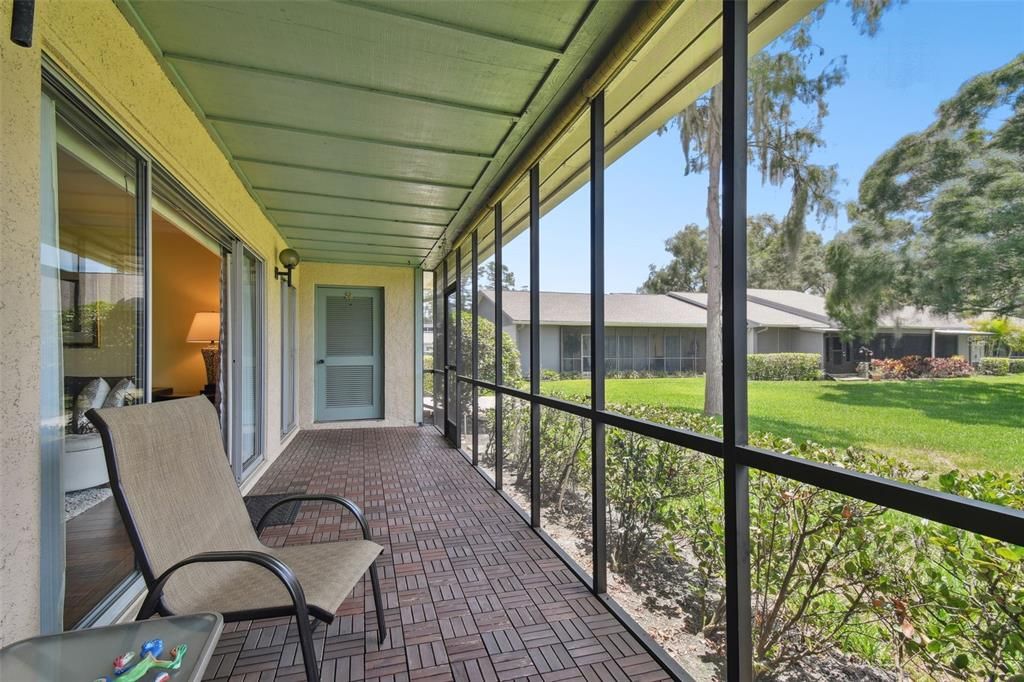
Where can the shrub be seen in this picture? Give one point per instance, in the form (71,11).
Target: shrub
(1016,366)
(511,371)
(958,597)
(944,368)
(918,366)
(828,571)
(784,366)
(890,368)
(994,366)
(647,480)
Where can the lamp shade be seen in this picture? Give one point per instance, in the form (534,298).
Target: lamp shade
(205,328)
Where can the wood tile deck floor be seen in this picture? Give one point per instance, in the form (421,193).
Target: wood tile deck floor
(471,593)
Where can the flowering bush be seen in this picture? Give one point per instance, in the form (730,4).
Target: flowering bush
(956,366)
(918,366)
(909,367)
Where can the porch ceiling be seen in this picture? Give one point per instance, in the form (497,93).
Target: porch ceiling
(367,130)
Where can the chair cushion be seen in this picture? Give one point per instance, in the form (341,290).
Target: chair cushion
(327,572)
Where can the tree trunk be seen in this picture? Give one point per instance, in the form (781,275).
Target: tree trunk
(713,354)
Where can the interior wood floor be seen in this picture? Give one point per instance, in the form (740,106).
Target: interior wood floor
(99,556)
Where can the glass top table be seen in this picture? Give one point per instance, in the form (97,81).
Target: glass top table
(87,655)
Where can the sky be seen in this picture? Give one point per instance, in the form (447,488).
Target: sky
(924,51)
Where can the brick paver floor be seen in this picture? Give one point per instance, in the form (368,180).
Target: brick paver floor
(470,591)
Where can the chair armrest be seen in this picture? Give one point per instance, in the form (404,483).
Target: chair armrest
(271,563)
(346,503)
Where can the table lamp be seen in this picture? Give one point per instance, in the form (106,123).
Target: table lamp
(206,329)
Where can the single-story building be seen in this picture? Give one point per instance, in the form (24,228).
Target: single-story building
(666,332)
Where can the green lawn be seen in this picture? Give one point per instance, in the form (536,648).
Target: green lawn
(975,423)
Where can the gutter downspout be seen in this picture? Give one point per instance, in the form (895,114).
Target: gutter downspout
(757,331)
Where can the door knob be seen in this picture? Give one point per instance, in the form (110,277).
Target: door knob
(319,362)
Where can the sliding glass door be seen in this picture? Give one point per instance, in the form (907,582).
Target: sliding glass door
(93,249)
(246,361)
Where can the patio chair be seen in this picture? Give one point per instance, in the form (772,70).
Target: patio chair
(193,538)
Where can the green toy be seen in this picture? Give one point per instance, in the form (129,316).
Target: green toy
(126,671)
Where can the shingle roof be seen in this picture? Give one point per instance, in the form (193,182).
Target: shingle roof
(637,310)
(765,308)
(813,306)
(761,315)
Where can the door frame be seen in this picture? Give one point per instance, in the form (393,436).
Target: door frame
(318,350)
(451,412)
(235,331)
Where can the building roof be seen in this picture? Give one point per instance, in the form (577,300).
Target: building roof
(761,315)
(813,306)
(765,308)
(621,310)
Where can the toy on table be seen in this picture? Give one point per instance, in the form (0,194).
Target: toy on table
(127,669)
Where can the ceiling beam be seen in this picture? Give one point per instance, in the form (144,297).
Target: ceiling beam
(312,255)
(383,202)
(355,174)
(510,116)
(357,247)
(357,233)
(383,261)
(352,138)
(419,223)
(131,14)
(548,50)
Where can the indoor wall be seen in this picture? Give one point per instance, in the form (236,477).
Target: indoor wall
(186,280)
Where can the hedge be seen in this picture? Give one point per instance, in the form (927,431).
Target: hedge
(784,366)
(1016,365)
(994,366)
(829,573)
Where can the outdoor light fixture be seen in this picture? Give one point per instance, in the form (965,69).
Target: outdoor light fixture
(289,259)
(22,19)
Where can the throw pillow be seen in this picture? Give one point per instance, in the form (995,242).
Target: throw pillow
(120,395)
(93,395)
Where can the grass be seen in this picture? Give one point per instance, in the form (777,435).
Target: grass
(937,425)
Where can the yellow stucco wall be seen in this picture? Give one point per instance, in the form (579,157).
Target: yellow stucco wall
(19,336)
(399,368)
(95,46)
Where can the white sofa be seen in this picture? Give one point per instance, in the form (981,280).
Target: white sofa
(84,463)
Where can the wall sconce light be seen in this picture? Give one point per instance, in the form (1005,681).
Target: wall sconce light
(289,259)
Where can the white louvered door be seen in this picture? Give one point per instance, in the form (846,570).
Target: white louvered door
(349,357)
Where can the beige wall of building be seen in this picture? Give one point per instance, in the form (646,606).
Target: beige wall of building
(92,43)
(19,336)
(399,361)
